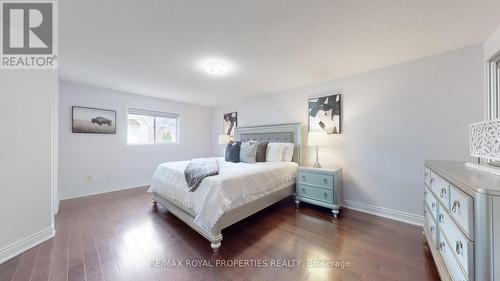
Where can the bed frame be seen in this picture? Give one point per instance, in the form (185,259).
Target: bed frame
(290,133)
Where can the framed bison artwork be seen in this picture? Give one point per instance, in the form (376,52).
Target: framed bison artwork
(87,120)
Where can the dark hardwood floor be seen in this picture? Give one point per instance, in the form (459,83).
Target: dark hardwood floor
(116,236)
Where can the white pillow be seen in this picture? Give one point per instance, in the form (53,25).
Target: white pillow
(288,152)
(285,148)
(274,152)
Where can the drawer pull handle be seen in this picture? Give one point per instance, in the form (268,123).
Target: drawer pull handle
(325,180)
(325,195)
(441,246)
(432,229)
(441,218)
(304,177)
(432,180)
(425,212)
(459,248)
(456,206)
(303,190)
(443,193)
(433,205)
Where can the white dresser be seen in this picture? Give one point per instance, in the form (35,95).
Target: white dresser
(462,221)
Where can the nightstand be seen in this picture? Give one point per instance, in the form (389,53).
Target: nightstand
(321,187)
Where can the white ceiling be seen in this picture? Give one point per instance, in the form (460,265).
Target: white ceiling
(154,47)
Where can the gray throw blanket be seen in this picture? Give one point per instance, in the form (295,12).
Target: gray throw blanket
(198,169)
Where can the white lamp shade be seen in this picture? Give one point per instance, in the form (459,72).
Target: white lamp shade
(224,139)
(317,138)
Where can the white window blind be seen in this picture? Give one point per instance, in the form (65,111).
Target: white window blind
(152,113)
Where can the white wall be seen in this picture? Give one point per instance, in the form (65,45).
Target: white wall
(90,163)
(492,44)
(393,119)
(26,154)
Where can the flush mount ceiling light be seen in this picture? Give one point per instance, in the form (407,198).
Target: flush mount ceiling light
(216,67)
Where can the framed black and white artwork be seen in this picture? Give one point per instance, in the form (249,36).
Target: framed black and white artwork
(87,120)
(230,123)
(325,114)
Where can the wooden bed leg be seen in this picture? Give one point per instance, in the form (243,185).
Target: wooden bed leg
(215,246)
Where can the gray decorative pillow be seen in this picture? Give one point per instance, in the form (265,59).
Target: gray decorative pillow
(233,152)
(248,151)
(261,151)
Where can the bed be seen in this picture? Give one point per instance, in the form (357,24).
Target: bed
(240,189)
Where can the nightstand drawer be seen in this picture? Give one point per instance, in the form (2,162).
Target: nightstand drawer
(316,179)
(316,193)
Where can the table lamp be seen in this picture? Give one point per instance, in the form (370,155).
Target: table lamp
(317,139)
(224,139)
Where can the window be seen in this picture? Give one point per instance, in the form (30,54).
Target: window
(149,127)
(494,93)
(494,87)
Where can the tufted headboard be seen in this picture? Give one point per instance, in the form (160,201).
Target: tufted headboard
(289,133)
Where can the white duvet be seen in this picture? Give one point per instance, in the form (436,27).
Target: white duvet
(236,185)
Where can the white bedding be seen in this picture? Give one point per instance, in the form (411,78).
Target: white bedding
(236,185)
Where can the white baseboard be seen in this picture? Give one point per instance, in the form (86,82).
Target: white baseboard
(25,244)
(84,192)
(385,212)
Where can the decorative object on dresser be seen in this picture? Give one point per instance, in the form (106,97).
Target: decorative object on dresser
(324,113)
(321,187)
(230,123)
(317,139)
(462,221)
(484,143)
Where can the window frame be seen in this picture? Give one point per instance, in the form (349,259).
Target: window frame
(493,85)
(493,92)
(154,114)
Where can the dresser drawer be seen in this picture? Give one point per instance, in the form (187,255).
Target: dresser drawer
(430,224)
(441,189)
(463,248)
(316,179)
(431,202)
(462,210)
(316,193)
(449,259)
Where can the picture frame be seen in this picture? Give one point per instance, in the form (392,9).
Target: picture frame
(89,120)
(229,124)
(325,114)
